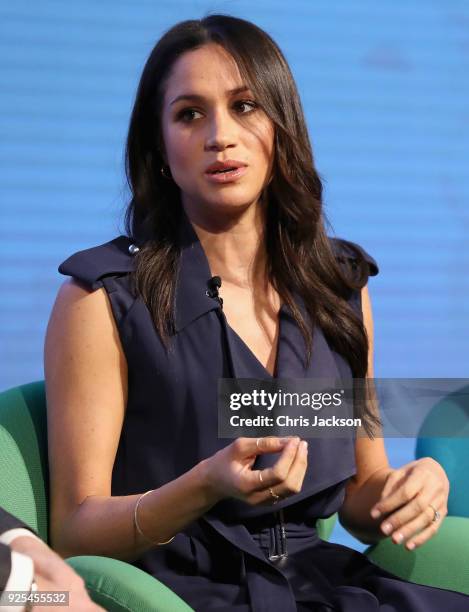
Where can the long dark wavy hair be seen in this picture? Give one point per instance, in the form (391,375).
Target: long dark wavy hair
(300,256)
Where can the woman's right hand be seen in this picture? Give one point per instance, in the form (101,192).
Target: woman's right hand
(229,474)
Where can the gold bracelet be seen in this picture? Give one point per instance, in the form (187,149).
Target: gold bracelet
(137,526)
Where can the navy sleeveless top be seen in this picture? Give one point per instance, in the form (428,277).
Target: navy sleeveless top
(220,562)
(170,422)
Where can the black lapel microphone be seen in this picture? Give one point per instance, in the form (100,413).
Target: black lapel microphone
(214,284)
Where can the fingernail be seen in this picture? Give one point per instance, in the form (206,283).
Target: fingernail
(284,441)
(411,546)
(387,527)
(375,513)
(304,444)
(399,538)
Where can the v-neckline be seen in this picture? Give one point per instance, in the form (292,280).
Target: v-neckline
(251,352)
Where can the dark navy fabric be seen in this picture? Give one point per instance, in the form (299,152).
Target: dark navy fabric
(221,561)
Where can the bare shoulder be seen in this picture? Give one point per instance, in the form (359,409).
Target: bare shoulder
(79,309)
(82,335)
(86,388)
(73,294)
(81,328)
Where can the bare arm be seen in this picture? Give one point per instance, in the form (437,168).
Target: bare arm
(403,500)
(364,489)
(86,386)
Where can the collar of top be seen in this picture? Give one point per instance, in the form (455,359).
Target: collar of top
(192,280)
(194,274)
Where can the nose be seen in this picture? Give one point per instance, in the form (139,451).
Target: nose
(221,132)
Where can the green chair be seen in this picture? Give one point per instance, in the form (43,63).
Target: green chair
(443,561)
(113,584)
(119,586)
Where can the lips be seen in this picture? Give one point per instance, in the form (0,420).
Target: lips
(219,167)
(228,172)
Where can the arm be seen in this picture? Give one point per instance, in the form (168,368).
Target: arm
(404,501)
(86,386)
(364,489)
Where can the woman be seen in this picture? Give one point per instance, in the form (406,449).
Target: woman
(223,184)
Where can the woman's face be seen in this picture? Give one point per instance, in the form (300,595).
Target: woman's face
(208,116)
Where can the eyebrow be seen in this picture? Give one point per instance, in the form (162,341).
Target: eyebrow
(198,98)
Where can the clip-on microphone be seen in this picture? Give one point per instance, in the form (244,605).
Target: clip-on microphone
(213,285)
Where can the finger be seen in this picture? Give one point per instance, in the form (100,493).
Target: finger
(294,480)
(407,530)
(261,446)
(406,490)
(412,509)
(424,535)
(393,482)
(272,495)
(279,471)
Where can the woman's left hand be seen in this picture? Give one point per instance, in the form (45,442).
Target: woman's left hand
(410,493)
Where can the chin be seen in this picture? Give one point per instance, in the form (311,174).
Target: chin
(234,198)
(223,202)
(232,207)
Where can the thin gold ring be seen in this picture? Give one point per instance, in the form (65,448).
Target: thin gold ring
(260,476)
(257,442)
(275,496)
(436,515)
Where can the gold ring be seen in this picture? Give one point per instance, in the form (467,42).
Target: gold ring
(260,476)
(275,496)
(436,515)
(257,442)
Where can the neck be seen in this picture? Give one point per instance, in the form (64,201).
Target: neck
(233,244)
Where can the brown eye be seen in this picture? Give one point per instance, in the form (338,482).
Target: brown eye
(250,105)
(186,115)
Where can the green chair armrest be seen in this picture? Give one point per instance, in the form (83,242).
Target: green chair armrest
(325,526)
(121,587)
(443,561)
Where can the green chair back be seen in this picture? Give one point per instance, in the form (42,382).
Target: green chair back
(23,455)
(449,417)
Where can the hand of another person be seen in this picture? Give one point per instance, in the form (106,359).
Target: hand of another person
(416,492)
(51,573)
(229,472)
